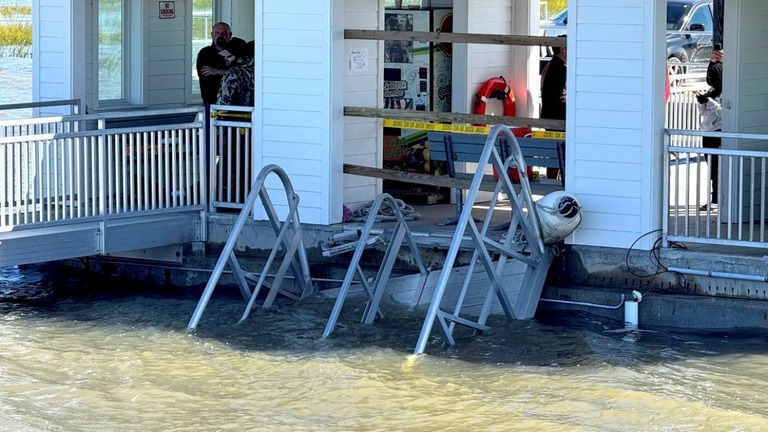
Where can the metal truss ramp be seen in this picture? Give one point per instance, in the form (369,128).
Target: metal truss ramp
(505,274)
(289,243)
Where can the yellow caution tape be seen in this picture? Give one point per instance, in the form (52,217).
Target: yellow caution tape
(549,134)
(230,114)
(438,127)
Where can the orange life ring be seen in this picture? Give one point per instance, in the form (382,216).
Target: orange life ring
(495,88)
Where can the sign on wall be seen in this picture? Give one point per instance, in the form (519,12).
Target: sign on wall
(167,10)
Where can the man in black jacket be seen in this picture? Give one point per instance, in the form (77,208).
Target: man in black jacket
(715,81)
(553,92)
(553,86)
(210,65)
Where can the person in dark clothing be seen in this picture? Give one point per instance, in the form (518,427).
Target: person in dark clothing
(237,83)
(237,89)
(553,86)
(715,81)
(717,22)
(211,67)
(553,92)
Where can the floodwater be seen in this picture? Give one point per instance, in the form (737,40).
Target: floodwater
(85,353)
(15,85)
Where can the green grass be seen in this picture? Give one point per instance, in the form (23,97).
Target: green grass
(11,11)
(15,34)
(16,38)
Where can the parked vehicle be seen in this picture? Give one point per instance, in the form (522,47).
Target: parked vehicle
(689,33)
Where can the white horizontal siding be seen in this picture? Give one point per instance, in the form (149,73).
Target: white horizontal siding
(362,136)
(487,61)
(610,139)
(293,119)
(52,55)
(752,98)
(167,55)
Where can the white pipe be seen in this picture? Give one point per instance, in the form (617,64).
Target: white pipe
(585,304)
(631,313)
(631,307)
(716,274)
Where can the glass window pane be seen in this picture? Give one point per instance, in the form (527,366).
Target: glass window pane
(110,50)
(202,21)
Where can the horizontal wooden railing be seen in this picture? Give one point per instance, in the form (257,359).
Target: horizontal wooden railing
(468,38)
(417,178)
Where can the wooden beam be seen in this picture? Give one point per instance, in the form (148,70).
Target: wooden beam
(469,38)
(540,187)
(422,179)
(453,117)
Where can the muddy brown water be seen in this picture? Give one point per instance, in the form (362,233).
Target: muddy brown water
(83,353)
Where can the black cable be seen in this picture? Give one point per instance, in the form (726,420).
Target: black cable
(654,258)
(626,257)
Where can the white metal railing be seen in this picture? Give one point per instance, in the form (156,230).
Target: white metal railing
(60,176)
(741,181)
(230,141)
(37,125)
(683,113)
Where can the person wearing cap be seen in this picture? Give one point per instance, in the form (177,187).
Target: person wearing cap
(237,83)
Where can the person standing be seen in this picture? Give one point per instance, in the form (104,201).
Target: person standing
(211,67)
(553,86)
(553,91)
(237,83)
(237,89)
(709,106)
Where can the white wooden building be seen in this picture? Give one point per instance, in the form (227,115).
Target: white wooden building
(304,78)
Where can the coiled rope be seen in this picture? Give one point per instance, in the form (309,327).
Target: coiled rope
(386,213)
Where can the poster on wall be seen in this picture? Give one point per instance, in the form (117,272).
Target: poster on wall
(398,51)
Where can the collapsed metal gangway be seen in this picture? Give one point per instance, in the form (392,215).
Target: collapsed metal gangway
(289,241)
(375,291)
(522,246)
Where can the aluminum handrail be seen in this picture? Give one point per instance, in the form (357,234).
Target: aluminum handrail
(74,103)
(291,246)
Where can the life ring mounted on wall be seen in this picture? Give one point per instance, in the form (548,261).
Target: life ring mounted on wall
(495,88)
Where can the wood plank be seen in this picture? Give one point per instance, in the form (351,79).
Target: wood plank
(423,179)
(454,117)
(442,37)
(539,187)
(405,289)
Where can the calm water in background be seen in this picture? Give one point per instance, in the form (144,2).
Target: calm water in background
(80,353)
(15,72)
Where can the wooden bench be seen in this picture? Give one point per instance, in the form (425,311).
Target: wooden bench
(467,148)
(458,147)
(454,147)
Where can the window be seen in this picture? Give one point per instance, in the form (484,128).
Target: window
(111,84)
(703,16)
(202,23)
